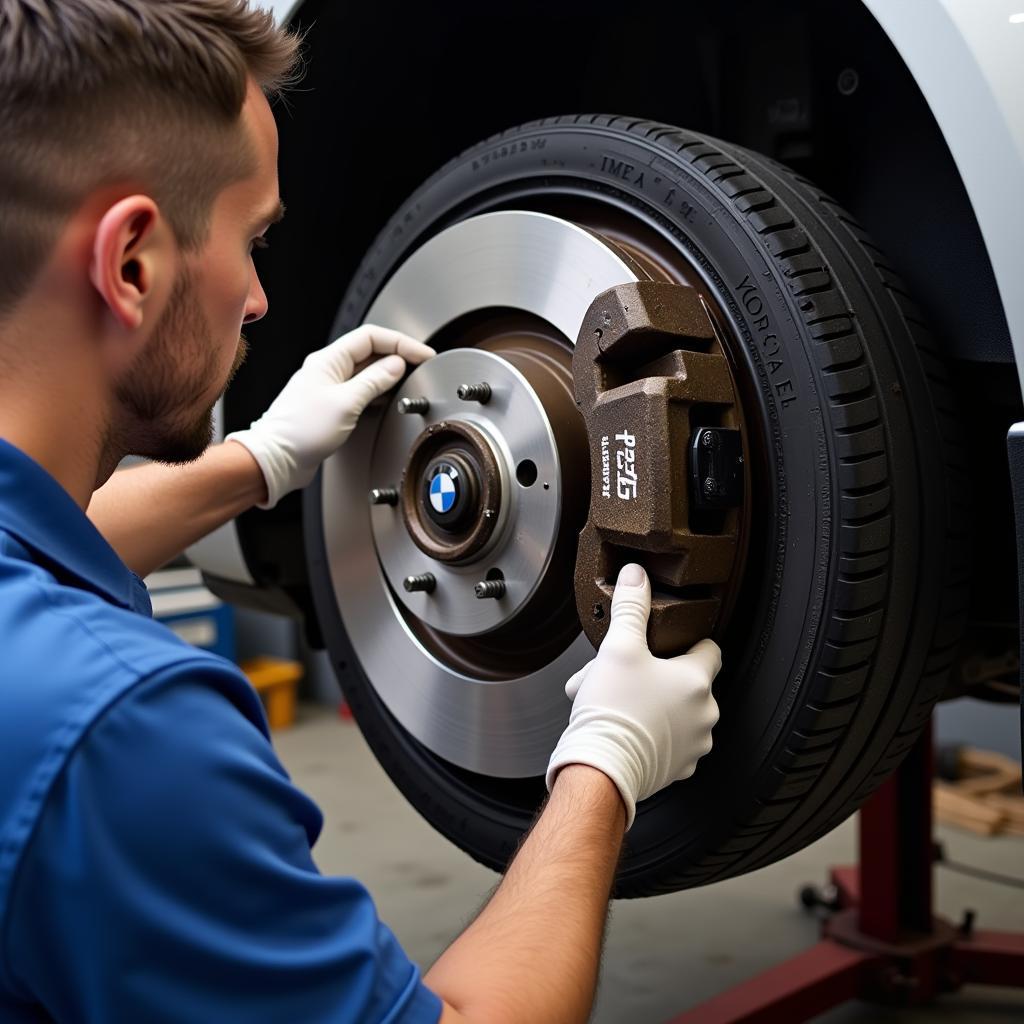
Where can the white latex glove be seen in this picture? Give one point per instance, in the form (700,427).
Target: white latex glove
(643,721)
(320,405)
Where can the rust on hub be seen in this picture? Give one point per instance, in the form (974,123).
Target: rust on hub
(647,370)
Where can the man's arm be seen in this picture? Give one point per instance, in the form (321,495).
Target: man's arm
(150,514)
(638,724)
(532,954)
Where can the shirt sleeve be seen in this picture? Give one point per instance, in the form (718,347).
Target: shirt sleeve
(170,879)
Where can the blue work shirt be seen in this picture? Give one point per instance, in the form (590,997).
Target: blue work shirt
(155,857)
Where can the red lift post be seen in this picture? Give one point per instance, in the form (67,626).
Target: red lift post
(882,943)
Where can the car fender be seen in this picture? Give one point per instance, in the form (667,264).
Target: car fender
(967,58)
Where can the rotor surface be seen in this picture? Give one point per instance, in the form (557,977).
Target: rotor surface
(503,724)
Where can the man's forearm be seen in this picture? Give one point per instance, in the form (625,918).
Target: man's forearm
(532,954)
(150,514)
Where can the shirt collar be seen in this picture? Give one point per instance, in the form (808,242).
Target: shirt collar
(45,518)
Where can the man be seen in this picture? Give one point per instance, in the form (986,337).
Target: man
(154,857)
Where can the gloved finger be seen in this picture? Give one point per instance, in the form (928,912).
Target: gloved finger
(576,681)
(383,341)
(713,713)
(342,356)
(706,655)
(631,606)
(414,352)
(375,380)
(371,340)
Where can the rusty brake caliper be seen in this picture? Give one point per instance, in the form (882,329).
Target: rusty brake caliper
(667,467)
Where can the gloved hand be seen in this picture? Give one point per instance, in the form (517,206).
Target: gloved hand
(320,405)
(643,721)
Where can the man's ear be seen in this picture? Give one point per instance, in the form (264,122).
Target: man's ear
(133,261)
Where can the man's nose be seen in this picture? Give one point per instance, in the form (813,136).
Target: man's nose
(256,304)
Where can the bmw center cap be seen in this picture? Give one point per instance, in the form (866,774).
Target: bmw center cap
(444,489)
(448,494)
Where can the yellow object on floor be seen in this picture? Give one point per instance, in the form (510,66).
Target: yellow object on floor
(276,681)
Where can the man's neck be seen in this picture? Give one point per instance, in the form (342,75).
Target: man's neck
(48,408)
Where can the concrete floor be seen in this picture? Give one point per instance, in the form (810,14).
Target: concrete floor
(663,955)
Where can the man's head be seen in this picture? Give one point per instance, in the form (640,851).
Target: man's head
(137,171)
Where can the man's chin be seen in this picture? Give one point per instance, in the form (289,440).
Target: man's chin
(185,446)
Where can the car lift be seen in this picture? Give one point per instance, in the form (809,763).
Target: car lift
(881,942)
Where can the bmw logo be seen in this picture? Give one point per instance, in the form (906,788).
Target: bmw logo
(444,489)
(449,495)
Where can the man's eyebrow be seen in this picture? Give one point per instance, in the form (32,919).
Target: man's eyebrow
(273,216)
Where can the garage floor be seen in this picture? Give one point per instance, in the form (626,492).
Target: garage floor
(663,955)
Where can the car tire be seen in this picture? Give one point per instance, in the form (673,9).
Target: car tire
(856,582)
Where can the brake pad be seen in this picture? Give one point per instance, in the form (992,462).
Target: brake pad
(653,386)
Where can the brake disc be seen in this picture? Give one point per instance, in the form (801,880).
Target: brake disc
(454,581)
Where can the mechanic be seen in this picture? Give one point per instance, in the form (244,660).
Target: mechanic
(155,858)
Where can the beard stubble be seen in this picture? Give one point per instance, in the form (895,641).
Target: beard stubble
(158,393)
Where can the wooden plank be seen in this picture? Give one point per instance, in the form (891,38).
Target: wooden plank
(956,809)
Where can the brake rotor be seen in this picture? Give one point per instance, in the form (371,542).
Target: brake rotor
(455,591)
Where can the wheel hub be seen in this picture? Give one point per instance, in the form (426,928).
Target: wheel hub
(464,517)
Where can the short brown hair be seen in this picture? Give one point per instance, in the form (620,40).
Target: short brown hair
(96,92)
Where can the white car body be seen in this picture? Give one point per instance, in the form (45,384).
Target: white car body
(967,57)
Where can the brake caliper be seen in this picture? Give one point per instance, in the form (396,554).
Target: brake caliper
(667,469)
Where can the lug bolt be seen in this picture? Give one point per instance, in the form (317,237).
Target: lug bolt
(490,589)
(475,393)
(414,405)
(425,583)
(384,496)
